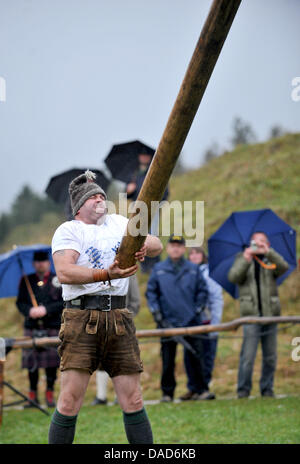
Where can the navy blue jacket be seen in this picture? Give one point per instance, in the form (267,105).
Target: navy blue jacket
(176,295)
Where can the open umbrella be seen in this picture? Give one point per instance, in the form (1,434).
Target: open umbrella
(58,186)
(234,236)
(122,159)
(14,264)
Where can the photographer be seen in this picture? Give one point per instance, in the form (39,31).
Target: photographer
(41,321)
(255,272)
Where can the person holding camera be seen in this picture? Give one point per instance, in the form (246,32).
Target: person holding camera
(41,321)
(255,272)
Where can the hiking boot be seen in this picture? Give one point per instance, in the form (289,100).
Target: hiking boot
(50,399)
(242,394)
(206,395)
(166,399)
(188,396)
(32,395)
(98,401)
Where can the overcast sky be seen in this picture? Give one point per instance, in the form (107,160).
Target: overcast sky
(82,75)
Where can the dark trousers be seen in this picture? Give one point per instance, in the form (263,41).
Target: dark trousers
(50,376)
(193,364)
(210,345)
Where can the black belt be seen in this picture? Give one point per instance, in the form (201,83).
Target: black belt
(99,302)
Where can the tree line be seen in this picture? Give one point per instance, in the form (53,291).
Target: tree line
(27,208)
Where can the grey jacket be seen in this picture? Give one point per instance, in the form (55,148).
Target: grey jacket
(242,273)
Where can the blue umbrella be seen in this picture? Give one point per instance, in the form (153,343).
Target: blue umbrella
(234,236)
(14,264)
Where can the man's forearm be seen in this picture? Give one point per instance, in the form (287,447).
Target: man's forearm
(76,275)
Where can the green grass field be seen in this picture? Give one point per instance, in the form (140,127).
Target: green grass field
(266,421)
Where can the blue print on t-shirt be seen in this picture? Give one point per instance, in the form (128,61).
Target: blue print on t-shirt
(116,247)
(95,257)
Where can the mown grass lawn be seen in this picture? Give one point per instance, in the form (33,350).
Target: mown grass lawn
(254,421)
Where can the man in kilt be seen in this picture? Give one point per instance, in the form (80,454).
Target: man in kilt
(43,320)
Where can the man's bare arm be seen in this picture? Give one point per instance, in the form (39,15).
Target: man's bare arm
(68,272)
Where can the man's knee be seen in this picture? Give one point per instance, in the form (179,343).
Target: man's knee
(73,386)
(270,360)
(69,403)
(133,402)
(132,399)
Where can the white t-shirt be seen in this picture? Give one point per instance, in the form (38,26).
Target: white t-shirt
(97,245)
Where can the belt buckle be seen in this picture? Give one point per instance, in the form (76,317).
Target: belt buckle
(108,303)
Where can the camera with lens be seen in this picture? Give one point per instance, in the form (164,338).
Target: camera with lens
(253,245)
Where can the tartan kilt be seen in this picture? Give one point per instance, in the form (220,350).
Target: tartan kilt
(47,357)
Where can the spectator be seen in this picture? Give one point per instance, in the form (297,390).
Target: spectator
(255,272)
(43,320)
(213,312)
(176,294)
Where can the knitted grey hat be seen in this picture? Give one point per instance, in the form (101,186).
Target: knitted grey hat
(82,188)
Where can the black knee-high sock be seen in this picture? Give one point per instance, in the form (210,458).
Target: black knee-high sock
(137,427)
(62,429)
(33,379)
(51,377)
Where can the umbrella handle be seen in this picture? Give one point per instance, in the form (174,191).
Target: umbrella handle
(30,291)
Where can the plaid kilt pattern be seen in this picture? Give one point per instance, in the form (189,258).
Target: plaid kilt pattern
(47,357)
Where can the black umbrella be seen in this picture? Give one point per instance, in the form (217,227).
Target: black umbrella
(122,159)
(58,187)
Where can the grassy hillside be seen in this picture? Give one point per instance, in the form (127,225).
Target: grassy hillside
(265,175)
(250,177)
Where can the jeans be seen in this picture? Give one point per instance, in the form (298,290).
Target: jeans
(193,364)
(253,334)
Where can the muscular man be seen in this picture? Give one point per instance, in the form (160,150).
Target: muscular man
(97,330)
